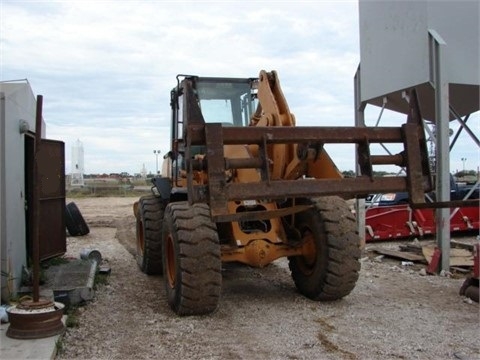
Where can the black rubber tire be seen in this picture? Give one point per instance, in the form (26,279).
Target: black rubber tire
(149,216)
(333,270)
(191,259)
(74,221)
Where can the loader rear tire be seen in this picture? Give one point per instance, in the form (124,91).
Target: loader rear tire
(191,259)
(149,234)
(332,271)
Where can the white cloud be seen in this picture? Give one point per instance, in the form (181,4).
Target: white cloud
(106,68)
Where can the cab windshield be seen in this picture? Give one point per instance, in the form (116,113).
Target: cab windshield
(230,102)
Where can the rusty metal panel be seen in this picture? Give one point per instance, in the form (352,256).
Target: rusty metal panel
(51,175)
(347,187)
(216,169)
(299,134)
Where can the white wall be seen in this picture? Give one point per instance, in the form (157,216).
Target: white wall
(19,104)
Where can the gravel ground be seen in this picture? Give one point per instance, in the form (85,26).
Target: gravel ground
(393,313)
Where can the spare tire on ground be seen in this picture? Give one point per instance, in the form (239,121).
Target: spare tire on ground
(74,220)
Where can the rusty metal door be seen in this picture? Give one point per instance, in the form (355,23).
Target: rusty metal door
(51,175)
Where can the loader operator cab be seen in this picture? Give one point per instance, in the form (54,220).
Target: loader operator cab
(229,101)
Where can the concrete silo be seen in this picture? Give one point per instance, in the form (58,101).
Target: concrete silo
(77,164)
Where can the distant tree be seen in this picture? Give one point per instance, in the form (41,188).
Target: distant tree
(382,173)
(351,173)
(348,173)
(462,173)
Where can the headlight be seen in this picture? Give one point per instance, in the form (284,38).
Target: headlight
(388,197)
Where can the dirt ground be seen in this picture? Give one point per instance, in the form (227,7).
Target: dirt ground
(394,312)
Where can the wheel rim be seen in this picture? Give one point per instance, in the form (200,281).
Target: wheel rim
(140,237)
(170,261)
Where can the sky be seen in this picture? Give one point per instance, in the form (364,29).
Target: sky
(106,68)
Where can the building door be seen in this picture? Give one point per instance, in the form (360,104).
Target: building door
(51,176)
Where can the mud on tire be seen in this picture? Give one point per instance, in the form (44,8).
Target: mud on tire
(332,271)
(191,259)
(149,234)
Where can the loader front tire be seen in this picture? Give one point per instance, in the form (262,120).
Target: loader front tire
(191,259)
(149,216)
(331,272)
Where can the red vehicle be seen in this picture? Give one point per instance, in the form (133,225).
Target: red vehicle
(388,216)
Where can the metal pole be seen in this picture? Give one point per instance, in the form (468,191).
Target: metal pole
(3,202)
(359,122)
(36,203)
(440,81)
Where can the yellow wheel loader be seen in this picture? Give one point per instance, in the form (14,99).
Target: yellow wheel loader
(242,183)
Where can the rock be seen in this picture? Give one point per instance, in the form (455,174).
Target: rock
(422,272)
(461,356)
(3,314)
(467,300)
(447,274)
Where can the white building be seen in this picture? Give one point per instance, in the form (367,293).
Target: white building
(17,178)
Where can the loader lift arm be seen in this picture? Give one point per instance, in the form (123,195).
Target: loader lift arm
(288,159)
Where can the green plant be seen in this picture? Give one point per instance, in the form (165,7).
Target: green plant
(100,279)
(27,276)
(59,345)
(72,318)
